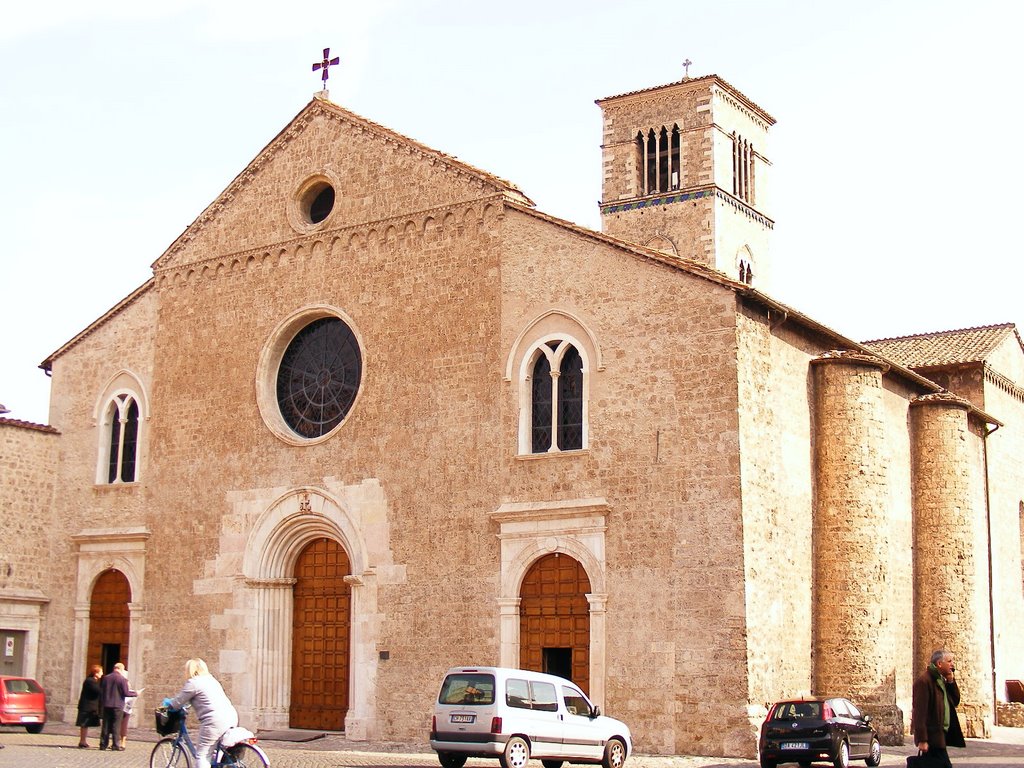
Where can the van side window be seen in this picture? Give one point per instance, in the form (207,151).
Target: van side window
(575,702)
(544,697)
(517,693)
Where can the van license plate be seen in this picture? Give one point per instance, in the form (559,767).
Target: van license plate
(463,718)
(795,745)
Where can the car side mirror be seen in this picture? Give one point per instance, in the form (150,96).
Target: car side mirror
(867,718)
(596,711)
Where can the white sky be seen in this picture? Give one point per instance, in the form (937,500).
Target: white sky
(897,162)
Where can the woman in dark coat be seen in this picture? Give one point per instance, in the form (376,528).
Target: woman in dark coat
(89,705)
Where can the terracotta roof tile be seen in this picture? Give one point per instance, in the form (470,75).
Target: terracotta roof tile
(4,421)
(967,345)
(686,80)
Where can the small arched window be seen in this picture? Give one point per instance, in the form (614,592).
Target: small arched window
(122,420)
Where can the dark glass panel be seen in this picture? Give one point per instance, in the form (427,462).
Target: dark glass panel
(570,401)
(115,443)
(652,161)
(663,161)
(319,377)
(130,444)
(541,405)
(322,205)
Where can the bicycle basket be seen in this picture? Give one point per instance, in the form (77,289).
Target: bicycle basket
(168,721)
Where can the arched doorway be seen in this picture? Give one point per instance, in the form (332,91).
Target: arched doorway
(108,620)
(321,620)
(554,619)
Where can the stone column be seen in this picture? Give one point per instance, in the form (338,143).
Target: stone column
(508,631)
(271,651)
(950,551)
(852,645)
(598,617)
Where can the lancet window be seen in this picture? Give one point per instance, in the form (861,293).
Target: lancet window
(742,168)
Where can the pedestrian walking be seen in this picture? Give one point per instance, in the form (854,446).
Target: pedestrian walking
(934,721)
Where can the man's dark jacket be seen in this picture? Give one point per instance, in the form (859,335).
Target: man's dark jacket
(928,710)
(113,690)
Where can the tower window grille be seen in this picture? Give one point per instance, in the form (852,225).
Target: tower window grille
(658,160)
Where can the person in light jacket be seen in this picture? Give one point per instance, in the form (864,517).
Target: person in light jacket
(212,706)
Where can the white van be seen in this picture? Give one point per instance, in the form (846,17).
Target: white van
(513,714)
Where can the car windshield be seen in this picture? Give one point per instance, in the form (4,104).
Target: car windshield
(467,688)
(795,710)
(22,686)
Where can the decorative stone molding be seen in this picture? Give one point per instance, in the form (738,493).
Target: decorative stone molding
(852,358)
(485,212)
(941,398)
(99,550)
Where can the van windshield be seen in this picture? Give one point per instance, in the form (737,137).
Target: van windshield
(467,688)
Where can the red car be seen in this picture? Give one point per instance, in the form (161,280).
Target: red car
(22,702)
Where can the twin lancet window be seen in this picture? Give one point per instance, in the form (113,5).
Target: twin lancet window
(123,417)
(658,160)
(557,398)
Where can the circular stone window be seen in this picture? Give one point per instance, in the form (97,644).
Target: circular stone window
(314,202)
(318,377)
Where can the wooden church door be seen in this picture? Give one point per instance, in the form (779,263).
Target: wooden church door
(554,619)
(321,619)
(109,621)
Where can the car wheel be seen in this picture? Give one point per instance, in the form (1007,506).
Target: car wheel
(614,754)
(875,757)
(34,728)
(552,763)
(451,759)
(805,764)
(766,763)
(516,754)
(842,756)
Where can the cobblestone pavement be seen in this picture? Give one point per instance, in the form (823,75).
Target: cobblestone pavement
(56,748)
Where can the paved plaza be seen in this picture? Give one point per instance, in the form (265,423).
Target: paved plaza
(56,748)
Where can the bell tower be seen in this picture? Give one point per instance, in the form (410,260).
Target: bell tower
(685,170)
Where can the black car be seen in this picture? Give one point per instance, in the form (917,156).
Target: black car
(808,730)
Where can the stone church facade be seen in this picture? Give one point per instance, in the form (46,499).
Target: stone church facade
(375,415)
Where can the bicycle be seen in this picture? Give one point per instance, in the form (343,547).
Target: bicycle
(178,751)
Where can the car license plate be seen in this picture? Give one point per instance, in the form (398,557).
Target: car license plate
(30,718)
(794,745)
(463,718)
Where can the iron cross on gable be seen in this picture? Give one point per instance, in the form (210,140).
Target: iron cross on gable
(325,65)
(686,67)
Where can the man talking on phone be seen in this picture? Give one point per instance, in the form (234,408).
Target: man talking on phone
(933,720)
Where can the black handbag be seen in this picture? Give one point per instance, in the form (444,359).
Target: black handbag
(920,760)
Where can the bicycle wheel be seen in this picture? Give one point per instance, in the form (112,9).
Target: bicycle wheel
(244,756)
(168,754)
